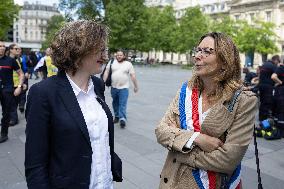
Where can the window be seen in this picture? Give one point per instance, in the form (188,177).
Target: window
(212,8)
(237,17)
(222,6)
(268,16)
(251,16)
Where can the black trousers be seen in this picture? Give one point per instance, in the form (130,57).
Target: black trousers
(279,106)
(266,101)
(6,97)
(13,109)
(18,101)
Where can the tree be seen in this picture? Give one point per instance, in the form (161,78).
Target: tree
(164,28)
(83,9)
(127,22)
(8,11)
(225,24)
(257,37)
(53,25)
(266,39)
(161,29)
(192,26)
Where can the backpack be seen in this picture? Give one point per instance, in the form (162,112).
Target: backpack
(108,80)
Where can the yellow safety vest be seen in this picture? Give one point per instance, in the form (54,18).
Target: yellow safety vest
(51,69)
(16,78)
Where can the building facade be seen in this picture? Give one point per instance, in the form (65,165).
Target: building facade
(29,28)
(264,10)
(158,3)
(212,7)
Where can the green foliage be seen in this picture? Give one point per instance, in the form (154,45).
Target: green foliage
(192,26)
(53,25)
(225,24)
(128,23)
(161,29)
(83,9)
(258,37)
(137,27)
(266,38)
(8,11)
(246,38)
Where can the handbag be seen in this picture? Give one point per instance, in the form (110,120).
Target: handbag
(116,168)
(108,80)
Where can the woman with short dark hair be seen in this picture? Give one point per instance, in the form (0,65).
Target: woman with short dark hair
(69,132)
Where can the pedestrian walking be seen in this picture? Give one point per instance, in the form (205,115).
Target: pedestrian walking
(23,59)
(69,131)
(7,65)
(14,52)
(45,65)
(121,69)
(209,124)
(31,65)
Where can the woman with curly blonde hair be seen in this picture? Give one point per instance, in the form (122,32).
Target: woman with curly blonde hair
(69,131)
(208,126)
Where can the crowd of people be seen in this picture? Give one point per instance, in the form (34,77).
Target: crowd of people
(267,83)
(69,132)
(17,67)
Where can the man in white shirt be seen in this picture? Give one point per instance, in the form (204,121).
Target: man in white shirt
(121,70)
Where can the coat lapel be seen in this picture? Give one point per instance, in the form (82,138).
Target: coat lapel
(70,101)
(218,120)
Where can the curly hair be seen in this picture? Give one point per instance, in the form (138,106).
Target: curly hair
(74,41)
(229,79)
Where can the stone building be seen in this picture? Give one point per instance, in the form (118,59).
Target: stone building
(265,10)
(29,29)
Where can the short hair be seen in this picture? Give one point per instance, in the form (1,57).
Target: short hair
(229,79)
(276,58)
(121,50)
(75,40)
(12,46)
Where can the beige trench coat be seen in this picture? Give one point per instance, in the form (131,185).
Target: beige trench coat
(177,170)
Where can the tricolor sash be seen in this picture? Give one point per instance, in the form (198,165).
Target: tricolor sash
(189,120)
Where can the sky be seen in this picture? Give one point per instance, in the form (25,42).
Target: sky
(44,2)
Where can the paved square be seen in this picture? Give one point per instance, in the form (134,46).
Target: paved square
(142,156)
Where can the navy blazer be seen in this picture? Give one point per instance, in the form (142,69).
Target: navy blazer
(58,149)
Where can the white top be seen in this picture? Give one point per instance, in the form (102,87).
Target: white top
(40,63)
(189,122)
(120,74)
(97,124)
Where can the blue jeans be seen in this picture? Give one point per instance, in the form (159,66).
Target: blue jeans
(119,102)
